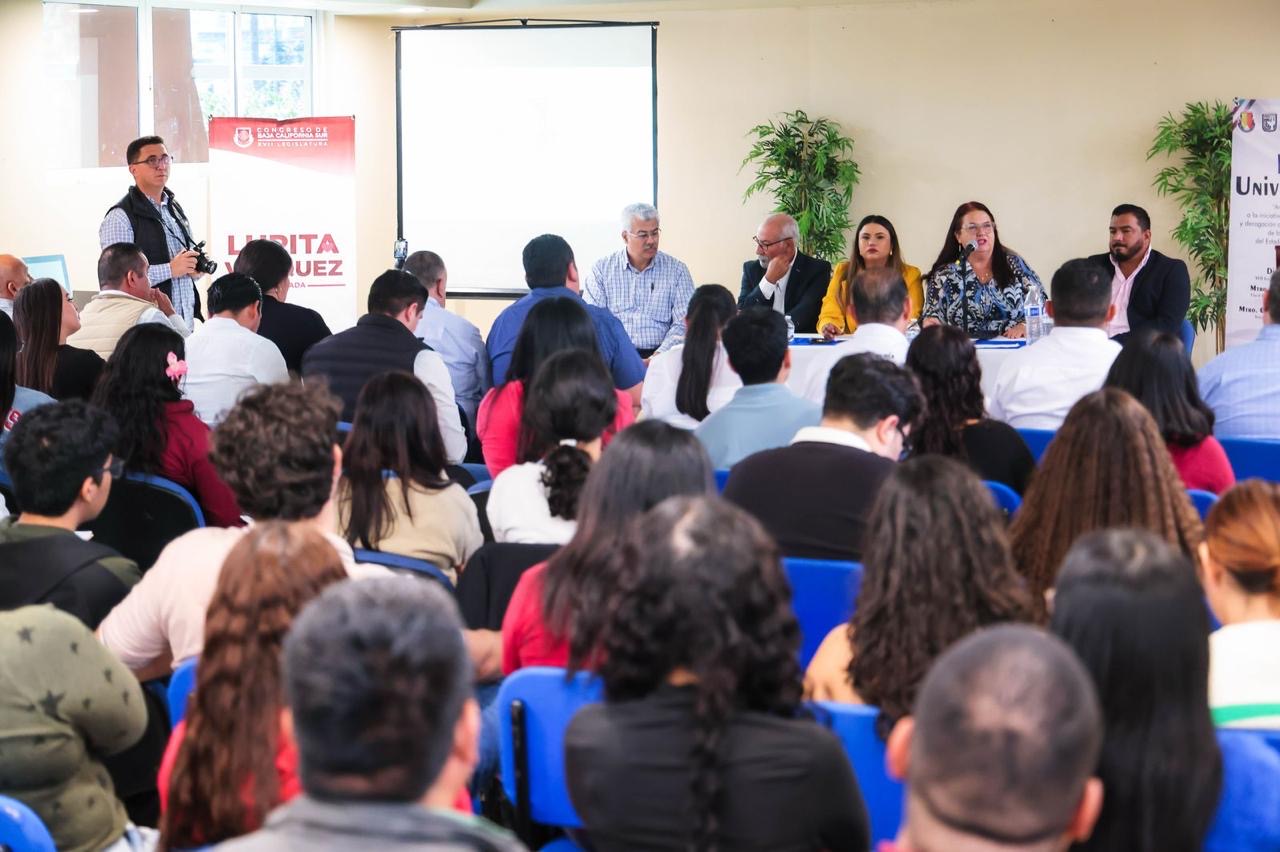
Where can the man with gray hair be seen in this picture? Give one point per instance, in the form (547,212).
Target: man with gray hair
(646,289)
(1001,748)
(782,277)
(378,685)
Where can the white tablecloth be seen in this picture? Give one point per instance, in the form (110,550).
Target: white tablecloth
(990,357)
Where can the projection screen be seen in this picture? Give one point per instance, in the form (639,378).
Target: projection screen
(508,130)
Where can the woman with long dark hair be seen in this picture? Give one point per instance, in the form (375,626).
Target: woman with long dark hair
(229,762)
(1131,608)
(45,316)
(556,610)
(159,431)
(15,400)
(875,246)
(1155,368)
(552,325)
(986,301)
(699,744)
(394,495)
(955,422)
(570,403)
(918,596)
(1106,467)
(687,382)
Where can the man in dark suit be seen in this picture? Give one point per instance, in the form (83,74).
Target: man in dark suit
(1149,290)
(783,278)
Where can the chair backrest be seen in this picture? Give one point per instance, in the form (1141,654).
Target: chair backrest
(1188,332)
(1253,459)
(1007,500)
(479,472)
(722,476)
(143,514)
(823,593)
(485,588)
(181,684)
(481,486)
(1202,500)
(21,830)
(1037,440)
(344,427)
(534,708)
(399,562)
(1248,815)
(855,725)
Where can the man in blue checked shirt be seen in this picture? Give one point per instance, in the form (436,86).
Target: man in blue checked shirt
(646,289)
(151,218)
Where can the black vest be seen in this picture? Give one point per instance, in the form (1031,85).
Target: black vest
(149,234)
(350,358)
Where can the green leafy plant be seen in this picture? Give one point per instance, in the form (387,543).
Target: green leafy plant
(804,164)
(1201,184)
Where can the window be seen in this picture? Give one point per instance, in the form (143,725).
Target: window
(203,62)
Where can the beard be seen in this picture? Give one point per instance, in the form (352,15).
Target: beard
(1123,253)
(763,261)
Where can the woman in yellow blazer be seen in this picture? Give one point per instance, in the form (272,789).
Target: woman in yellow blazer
(875,245)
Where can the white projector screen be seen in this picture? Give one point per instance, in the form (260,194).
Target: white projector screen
(509,131)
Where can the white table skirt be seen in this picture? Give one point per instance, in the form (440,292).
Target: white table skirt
(990,357)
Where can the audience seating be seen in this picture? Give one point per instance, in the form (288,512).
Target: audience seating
(344,427)
(1037,440)
(722,476)
(1007,500)
(479,472)
(855,725)
(21,830)
(1253,459)
(401,563)
(822,596)
(479,494)
(1188,332)
(181,684)
(535,706)
(143,514)
(486,585)
(1202,500)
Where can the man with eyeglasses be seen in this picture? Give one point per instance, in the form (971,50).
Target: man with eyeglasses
(782,277)
(646,289)
(151,218)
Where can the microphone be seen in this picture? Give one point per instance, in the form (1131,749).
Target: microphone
(969,248)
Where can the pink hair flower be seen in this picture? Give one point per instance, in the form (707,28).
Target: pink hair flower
(177,367)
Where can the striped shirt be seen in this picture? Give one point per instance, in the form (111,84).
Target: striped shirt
(651,303)
(116,228)
(1242,386)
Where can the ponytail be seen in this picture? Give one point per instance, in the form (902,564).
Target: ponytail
(564,472)
(710,308)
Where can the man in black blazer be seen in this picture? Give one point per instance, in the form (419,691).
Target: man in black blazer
(781,271)
(1151,291)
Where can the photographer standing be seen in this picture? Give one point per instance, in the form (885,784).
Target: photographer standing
(151,218)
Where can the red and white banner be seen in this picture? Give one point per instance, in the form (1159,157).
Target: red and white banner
(291,181)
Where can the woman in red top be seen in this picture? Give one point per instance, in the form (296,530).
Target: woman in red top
(551,326)
(1156,370)
(555,612)
(159,431)
(229,762)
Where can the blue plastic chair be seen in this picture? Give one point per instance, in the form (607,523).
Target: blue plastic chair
(823,593)
(722,476)
(1188,332)
(1253,459)
(1202,500)
(1007,500)
(21,830)
(480,487)
(855,725)
(479,472)
(181,684)
(344,427)
(170,487)
(535,706)
(401,562)
(1037,441)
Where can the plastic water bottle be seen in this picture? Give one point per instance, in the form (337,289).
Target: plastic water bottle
(1034,307)
(791,328)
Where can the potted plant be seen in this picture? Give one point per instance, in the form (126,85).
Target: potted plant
(1201,184)
(804,163)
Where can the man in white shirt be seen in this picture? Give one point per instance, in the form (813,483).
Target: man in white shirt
(226,355)
(14,275)
(1036,386)
(456,340)
(126,299)
(884,311)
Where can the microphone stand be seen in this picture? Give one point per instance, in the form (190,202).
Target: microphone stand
(964,290)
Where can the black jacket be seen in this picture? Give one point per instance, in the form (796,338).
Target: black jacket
(292,328)
(805,289)
(348,359)
(1160,296)
(148,232)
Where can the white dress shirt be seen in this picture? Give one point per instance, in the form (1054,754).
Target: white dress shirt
(769,289)
(518,510)
(877,338)
(224,359)
(658,399)
(1121,291)
(1036,386)
(462,348)
(430,369)
(6,305)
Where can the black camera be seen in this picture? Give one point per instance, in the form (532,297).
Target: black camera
(204,265)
